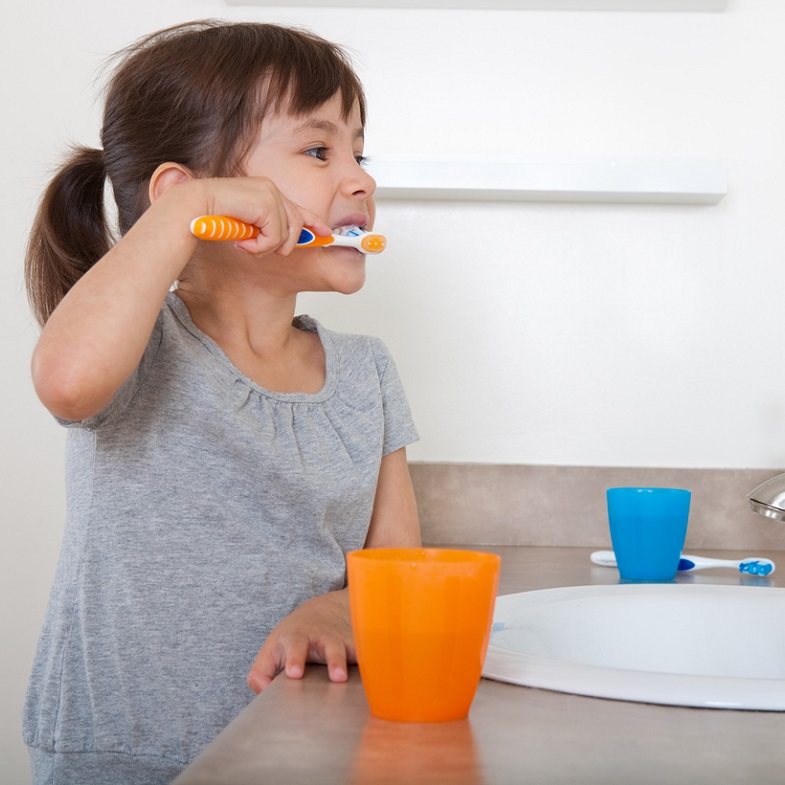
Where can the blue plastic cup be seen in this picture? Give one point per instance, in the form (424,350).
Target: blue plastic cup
(648,527)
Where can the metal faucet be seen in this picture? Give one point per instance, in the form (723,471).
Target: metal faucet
(769,498)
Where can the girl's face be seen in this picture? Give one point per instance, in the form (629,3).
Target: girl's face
(316,160)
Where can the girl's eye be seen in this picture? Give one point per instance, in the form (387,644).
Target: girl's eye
(318,152)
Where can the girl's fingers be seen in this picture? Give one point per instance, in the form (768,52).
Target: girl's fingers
(291,656)
(257,201)
(335,656)
(297,217)
(263,670)
(317,631)
(317,224)
(281,236)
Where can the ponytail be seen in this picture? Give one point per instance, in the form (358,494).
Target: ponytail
(70,232)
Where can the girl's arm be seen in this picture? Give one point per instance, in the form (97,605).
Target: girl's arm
(320,630)
(395,522)
(96,336)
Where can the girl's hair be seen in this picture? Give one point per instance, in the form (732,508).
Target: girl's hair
(194,94)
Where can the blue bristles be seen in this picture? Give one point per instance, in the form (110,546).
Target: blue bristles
(755,568)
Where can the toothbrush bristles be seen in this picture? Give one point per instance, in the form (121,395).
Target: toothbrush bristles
(755,568)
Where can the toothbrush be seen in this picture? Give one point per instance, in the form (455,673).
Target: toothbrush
(221,227)
(751,566)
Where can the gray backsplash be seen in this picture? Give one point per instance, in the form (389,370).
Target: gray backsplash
(500,504)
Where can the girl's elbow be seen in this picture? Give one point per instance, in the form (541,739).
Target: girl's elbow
(63,392)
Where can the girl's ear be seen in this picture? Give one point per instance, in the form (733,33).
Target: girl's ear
(166,176)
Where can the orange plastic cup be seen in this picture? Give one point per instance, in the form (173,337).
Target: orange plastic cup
(422,620)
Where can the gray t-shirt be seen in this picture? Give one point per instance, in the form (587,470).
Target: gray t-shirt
(202,509)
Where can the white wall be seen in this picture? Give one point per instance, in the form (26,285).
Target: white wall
(605,335)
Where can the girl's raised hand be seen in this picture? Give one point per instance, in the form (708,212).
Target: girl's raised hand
(259,202)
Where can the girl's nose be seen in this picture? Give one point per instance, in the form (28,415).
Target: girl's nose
(358,182)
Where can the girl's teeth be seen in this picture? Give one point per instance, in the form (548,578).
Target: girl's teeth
(348,231)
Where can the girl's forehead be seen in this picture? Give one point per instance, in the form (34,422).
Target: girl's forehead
(325,125)
(328,117)
(332,108)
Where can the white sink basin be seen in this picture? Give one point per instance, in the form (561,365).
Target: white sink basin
(710,646)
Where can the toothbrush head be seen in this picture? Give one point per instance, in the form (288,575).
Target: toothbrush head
(351,236)
(760,567)
(373,243)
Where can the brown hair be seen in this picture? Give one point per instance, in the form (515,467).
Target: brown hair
(194,94)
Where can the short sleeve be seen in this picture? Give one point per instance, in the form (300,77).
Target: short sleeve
(127,390)
(399,428)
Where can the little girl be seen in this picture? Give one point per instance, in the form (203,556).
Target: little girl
(222,456)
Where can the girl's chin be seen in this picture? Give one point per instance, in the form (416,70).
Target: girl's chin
(347,274)
(350,284)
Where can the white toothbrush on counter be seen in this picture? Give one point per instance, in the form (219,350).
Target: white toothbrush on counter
(751,566)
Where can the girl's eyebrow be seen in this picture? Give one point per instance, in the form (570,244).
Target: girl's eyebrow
(314,124)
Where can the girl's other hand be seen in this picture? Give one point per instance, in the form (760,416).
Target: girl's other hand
(319,631)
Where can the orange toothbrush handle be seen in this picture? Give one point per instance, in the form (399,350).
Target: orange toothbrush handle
(221,227)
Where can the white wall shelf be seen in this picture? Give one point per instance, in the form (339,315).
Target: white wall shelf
(646,181)
(523,5)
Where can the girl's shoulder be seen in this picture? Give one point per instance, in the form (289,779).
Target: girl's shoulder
(346,344)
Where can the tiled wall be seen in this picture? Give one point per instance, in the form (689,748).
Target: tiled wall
(487,504)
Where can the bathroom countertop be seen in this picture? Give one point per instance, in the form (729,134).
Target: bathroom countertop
(312,731)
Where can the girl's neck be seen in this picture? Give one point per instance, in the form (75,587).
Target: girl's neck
(254,329)
(236,315)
